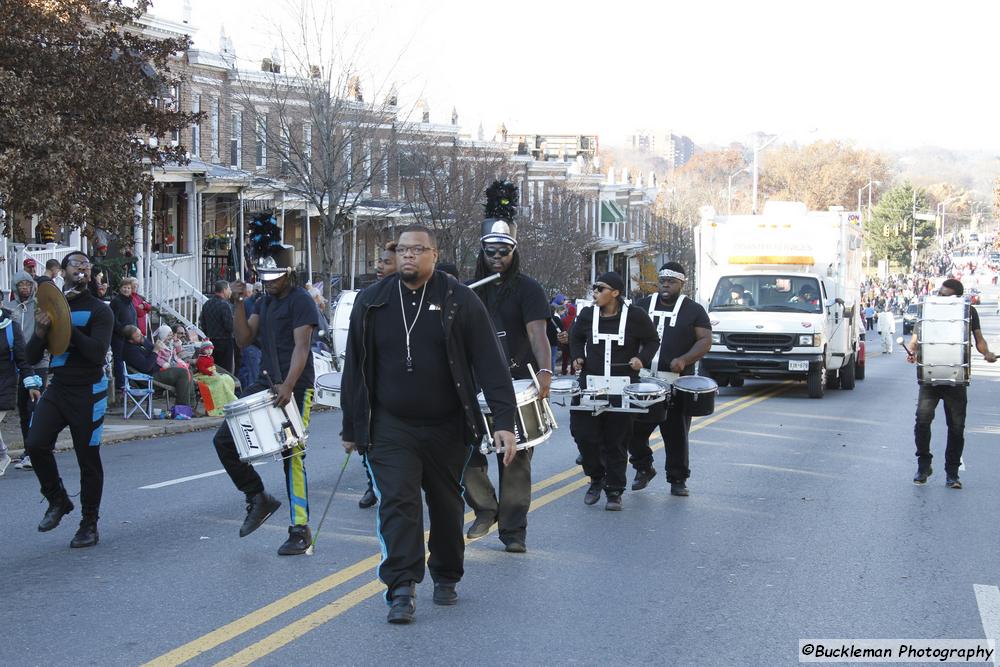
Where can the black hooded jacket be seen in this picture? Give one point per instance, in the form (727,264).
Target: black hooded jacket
(473,350)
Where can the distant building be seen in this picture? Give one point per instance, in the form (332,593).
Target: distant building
(561,147)
(675,149)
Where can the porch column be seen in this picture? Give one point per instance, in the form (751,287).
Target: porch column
(239,239)
(147,272)
(193,228)
(139,243)
(309,252)
(354,247)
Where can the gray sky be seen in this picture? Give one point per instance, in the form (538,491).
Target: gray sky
(882,73)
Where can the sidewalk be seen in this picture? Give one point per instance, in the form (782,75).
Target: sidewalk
(116,429)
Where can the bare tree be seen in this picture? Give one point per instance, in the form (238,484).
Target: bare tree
(554,241)
(316,131)
(443,184)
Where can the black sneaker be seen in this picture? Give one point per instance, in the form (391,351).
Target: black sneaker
(260,507)
(642,477)
(445,595)
(403,604)
(86,534)
(480,526)
(923,472)
(54,514)
(678,489)
(614,503)
(579,459)
(593,492)
(368,499)
(953,482)
(515,546)
(299,539)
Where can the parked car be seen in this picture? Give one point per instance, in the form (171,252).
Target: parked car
(909,319)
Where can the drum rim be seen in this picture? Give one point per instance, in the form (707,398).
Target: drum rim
(247,403)
(660,391)
(326,387)
(679,384)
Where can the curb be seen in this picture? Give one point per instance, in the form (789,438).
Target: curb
(140,432)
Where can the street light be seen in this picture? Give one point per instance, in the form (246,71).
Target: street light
(868,187)
(757,148)
(942,209)
(729,207)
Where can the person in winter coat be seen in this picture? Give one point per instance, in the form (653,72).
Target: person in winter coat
(14,371)
(142,307)
(22,307)
(125,315)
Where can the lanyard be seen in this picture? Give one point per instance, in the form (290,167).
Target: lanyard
(661,317)
(608,338)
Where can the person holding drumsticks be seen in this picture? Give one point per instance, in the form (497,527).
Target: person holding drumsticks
(420,346)
(608,339)
(282,325)
(685,337)
(955,400)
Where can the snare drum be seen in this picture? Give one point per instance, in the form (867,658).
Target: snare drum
(694,395)
(564,387)
(341,323)
(328,389)
(262,430)
(531,421)
(944,355)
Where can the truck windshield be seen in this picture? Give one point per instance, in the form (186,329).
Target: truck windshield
(774,293)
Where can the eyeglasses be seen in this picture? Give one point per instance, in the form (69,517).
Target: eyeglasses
(502,251)
(78,263)
(600,288)
(415,250)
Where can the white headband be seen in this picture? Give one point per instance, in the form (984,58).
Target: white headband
(667,273)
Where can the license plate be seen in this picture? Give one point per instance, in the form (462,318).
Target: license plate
(798,365)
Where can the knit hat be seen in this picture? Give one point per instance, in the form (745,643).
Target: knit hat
(162,332)
(612,280)
(205,365)
(206,349)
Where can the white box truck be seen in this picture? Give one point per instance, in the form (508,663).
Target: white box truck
(781,290)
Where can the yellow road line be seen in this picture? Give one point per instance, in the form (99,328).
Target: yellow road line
(284,604)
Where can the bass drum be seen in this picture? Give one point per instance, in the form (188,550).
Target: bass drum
(694,395)
(341,324)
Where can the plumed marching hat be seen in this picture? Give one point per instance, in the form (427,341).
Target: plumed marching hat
(271,258)
(501,207)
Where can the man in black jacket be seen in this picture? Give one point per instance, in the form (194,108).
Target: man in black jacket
(217,322)
(77,397)
(418,344)
(125,315)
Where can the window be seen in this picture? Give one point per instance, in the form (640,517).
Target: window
(261,142)
(236,140)
(196,128)
(215,130)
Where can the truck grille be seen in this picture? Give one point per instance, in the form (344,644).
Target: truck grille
(761,341)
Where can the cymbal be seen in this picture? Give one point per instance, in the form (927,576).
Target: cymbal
(52,301)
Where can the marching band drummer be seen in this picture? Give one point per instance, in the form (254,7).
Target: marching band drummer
(685,337)
(608,339)
(282,325)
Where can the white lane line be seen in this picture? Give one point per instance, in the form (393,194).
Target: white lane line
(189,478)
(797,471)
(988,601)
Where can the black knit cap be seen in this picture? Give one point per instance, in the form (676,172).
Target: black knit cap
(612,280)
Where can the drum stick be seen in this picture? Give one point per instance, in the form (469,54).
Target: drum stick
(903,345)
(336,485)
(487,279)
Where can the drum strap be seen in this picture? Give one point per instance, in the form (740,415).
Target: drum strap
(661,317)
(609,338)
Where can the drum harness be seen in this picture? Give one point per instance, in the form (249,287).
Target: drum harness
(661,317)
(600,387)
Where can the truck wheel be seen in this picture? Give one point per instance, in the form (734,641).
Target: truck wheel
(721,380)
(859,371)
(736,381)
(816,382)
(848,374)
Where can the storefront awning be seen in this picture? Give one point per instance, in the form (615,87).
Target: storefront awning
(610,212)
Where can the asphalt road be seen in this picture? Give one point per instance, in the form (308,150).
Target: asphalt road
(802,523)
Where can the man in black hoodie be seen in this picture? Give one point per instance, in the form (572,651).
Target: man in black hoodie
(76,397)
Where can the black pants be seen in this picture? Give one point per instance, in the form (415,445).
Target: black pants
(869,323)
(955,402)
(118,362)
(674,430)
(602,441)
(25,406)
(405,458)
(511,510)
(223,354)
(82,409)
(245,476)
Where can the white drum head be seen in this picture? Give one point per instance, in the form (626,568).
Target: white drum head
(342,322)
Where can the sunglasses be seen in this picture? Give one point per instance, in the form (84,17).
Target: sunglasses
(502,252)
(600,288)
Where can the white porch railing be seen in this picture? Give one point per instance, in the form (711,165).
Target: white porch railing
(16,253)
(174,295)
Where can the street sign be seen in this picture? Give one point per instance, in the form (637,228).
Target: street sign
(927,217)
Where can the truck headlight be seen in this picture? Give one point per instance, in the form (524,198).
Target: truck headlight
(806,340)
(716,338)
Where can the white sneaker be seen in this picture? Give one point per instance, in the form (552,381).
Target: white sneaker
(24,463)
(4,462)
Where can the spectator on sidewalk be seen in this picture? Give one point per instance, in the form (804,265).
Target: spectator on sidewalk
(31,268)
(216,321)
(22,308)
(217,389)
(14,371)
(125,316)
(53,269)
(141,356)
(142,307)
